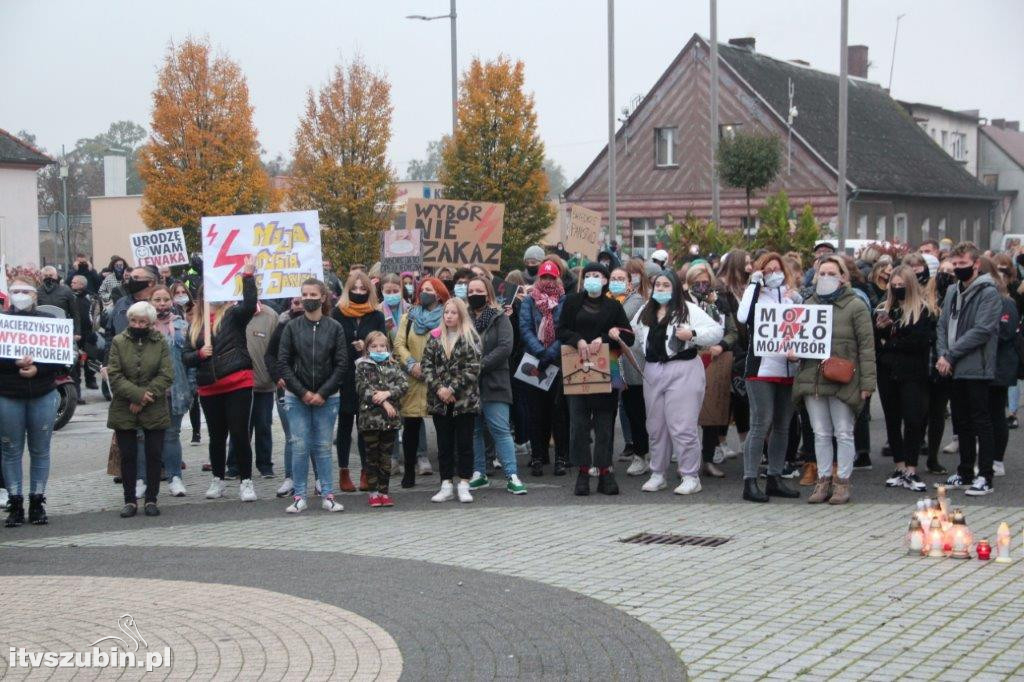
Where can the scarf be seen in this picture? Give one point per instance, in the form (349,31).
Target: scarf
(484,319)
(396,314)
(356,309)
(423,320)
(833,297)
(546,296)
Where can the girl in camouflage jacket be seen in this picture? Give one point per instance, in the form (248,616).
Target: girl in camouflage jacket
(380,385)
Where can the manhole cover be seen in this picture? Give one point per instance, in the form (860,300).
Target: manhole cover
(671,539)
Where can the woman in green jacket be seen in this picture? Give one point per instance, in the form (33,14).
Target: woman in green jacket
(139,370)
(832,406)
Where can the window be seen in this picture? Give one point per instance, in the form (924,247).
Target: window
(880,229)
(665,147)
(963,231)
(959,148)
(727,131)
(991,180)
(976,236)
(926,227)
(945,140)
(899,227)
(642,237)
(942,229)
(862,227)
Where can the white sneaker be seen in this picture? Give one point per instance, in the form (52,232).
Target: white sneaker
(998,468)
(638,467)
(4,497)
(423,467)
(655,483)
(463,489)
(446,492)
(140,489)
(690,485)
(594,472)
(728,452)
(176,487)
(719,455)
(317,488)
(286,488)
(297,506)
(331,505)
(952,446)
(396,467)
(246,493)
(216,489)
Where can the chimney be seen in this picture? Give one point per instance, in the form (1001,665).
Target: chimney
(1013,125)
(999,123)
(115,175)
(857,60)
(743,43)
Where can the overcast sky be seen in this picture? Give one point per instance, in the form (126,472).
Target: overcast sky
(69,68)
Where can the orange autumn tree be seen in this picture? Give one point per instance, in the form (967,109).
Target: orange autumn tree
(341,167)
(496,154)
(202,157)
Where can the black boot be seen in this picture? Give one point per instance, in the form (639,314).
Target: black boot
(409,472)
(751,493)
(536,467)
(560,467)
(36,510)
(16,515)
(582,484)
(606,484)
(776,487)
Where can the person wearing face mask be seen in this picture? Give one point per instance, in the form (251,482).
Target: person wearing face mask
(117,270)
(904,336)
(968,336)
(140,373)
(313,360)
(28,407)
(381,383)
(531,261)
(83,267)
(496,340)
(52,292)
(358,315)
(1007,359)
(408,290)
(84,306)
(769,382)
(413,333)
(137,286)
(878,281)
(184,307)
(938,386)
(393,303)
(632,294)
(445,275)
(832,406)
(460,282)
(589,319)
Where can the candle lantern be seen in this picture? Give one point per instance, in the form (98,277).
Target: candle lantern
(915,537)
(1003,544)
(943,500)
(984,550)
(960,535)
(936,539)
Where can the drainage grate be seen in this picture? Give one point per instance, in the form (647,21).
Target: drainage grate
(670,539)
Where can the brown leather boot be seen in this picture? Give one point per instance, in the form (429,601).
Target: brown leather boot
(841,491)
(363,483)
(822,490)
(345,482)
(810,474)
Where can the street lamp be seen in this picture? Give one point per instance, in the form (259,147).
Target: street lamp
(455,68)
(67,223)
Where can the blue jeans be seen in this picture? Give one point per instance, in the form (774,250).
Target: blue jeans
(20,420)
(1013,398)
(282,414)
(312,431)
(494,415)
(172,447)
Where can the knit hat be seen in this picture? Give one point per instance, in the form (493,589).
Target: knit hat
(535,252)
(595,266)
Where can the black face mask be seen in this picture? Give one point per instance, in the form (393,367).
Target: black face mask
(477,301)
(163,314)
(898,293)
(531,270)
(924,276)
(49,281)
(965,273)
(427,299)
(358,298)
(449,284)
(311,305)
(134,286)
(943,281)
(138,334)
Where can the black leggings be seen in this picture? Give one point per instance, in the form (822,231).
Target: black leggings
(455,445)
(997,396)
(193,416)
(905,406)
(128,444)
(636,411)
(344,440)
(549,416)
(229,413)
(410,443)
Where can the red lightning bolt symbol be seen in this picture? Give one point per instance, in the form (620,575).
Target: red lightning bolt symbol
(790,327)
(223,258)
(211,233)
(487,225)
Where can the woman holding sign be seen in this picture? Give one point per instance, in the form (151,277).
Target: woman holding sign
(835,389)
(224,376)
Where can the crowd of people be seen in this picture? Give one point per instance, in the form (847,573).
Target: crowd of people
(930,330)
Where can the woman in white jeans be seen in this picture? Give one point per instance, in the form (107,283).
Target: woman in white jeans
(669,329)
(832,406)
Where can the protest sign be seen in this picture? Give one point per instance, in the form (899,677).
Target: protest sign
(44,339)
(585,378)
(285,246)
(807,329)
(159,248)
(583,232)
(458,233)
(400,251)
(529,373)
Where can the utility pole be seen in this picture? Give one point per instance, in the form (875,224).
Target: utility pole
(714,113)
(843,88)
(611,121)
(67,220)
(455,73)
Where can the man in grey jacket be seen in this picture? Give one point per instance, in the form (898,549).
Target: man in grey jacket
(257,338)
(968,334)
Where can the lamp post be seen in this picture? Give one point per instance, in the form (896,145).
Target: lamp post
(455,60)
(612,219)
(67,223)
(844,85)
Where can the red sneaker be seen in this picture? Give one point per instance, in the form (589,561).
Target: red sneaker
(385,500)
(375,501)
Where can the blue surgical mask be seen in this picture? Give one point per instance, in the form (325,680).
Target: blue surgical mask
(617,288)
(662,297)
(392,300)
(460,290)
(409,289)
(593,285)
(379,355)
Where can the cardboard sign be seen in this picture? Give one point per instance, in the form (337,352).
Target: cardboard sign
(528,373)
(807,329)
(286,247)
(458,233)
(585,378)
(583,233)
(159,248)
(44,339)
(400,251)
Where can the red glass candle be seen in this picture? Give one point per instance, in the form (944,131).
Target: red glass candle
(984,550)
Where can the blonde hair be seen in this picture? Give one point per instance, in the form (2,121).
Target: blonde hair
(371,338)
(696,271)
(916,301)
(360,276)
(837,261)
(466,331)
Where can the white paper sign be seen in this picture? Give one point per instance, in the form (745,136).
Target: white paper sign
(807,329)
(286,247)
(159,248)
(44,339)
(528,374)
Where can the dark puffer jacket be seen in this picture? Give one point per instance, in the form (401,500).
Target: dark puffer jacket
(230,347)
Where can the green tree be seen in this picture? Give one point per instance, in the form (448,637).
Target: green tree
(705,234)
(748,161)
(429,167)
(556,178)
(496,154)
(780,232)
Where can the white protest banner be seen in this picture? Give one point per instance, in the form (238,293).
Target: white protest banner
(44,339)
(529,373)
(400,251)
(159,248)
(285,246)
(807,329)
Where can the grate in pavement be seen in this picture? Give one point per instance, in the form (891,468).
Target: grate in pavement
(678,540)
